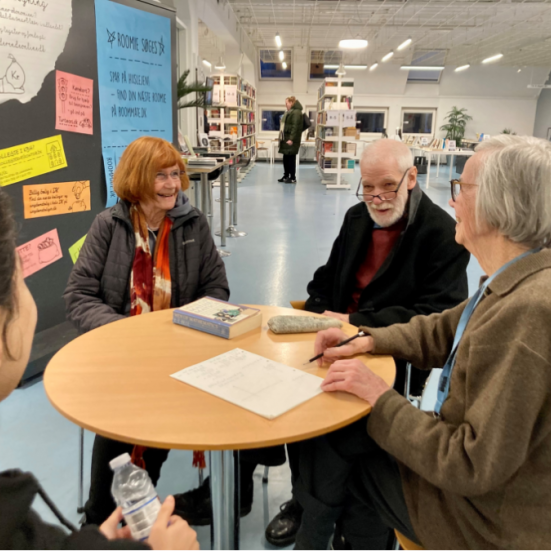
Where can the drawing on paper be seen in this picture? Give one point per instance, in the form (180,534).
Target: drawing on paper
(228,315)
(13,82)
(62,91)
(55,154)
(47,251)
(80,203)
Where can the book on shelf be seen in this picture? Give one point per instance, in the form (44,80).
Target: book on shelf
(351,148)
(218,317)
(350,163)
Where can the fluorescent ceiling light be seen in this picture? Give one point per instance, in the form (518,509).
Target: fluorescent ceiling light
(387,56)
(284,65)
(462,68)
(355,66)
(421,68)
(353,43)
(493,58)
(330,66)
(278,40)
(374,66)
(404,44)
(207,63)
(281,55)
(519,70)
(220,65)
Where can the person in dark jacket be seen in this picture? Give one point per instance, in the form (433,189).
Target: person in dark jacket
(151,251)
(395,257)
(289,141)
(20,526)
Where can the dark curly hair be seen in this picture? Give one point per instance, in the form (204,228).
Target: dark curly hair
(7,266)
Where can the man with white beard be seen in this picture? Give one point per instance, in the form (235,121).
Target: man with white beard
(394,258)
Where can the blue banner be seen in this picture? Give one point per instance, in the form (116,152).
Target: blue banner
(134,80)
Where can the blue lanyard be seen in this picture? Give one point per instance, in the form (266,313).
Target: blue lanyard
(445,377)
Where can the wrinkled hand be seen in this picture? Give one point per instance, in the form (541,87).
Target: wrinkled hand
(326,341)
(356,378)
(171,531)
(337,316)
(110,528)
(289,142)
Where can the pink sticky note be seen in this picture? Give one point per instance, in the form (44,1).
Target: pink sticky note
(39,252)
(74,106)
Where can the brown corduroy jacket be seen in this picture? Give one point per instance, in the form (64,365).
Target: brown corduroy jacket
(480,476)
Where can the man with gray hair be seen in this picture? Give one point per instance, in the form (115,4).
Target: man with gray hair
(394,258)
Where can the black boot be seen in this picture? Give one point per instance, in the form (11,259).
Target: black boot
(283,528)
(283,178)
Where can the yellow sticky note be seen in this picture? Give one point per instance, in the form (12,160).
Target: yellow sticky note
(31,159)
(74,250)
(50,199)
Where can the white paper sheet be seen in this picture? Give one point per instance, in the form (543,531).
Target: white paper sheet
(252,382)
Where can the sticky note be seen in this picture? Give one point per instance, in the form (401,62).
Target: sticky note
(39,252)
(51,199)
(74,250)
(74,103)
(25,161)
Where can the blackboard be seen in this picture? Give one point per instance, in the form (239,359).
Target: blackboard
(22,123)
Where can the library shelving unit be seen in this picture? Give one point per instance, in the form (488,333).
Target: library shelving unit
(232,116)
(336,133)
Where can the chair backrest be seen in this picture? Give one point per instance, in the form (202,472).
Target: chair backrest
(406,543)
(298,304)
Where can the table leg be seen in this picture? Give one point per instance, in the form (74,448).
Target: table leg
(204,195)
(451,166)
(197,187)
(222,486)
(428,170)
(232,231)
(437,165)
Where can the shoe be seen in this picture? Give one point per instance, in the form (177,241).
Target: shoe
(195,506)
(289,181)
(282,179)
(282,531)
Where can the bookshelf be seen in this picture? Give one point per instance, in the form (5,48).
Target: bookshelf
(336,134)
(232,115)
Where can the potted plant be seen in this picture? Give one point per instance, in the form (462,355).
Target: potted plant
(508,131)
(455,130)
(183,89)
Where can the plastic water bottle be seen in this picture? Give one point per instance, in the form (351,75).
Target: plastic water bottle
(133,490)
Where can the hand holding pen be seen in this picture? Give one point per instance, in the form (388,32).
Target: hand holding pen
(333,344)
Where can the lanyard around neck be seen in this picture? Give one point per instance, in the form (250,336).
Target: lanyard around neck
(445,377)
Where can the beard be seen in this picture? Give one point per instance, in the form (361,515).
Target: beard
(393,210)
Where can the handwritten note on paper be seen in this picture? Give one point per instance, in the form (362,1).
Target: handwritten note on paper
(39,252)
(50,199)
(74,103)
(74,250)
(252,382)
(25,161)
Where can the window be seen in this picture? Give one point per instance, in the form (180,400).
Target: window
(272,67)
(424,58)
(271,118)
(418,121)
(371,121)
(324,63)
(312,115)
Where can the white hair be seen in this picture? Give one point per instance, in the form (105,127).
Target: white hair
(514,194)
(381,151)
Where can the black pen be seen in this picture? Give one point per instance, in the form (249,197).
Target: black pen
(360,334)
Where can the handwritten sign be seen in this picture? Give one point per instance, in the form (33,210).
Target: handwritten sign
(349,119)
(39,252)
(32,36)
(231,94)
(74,103)
(134,78)
(52,199)
(74,250)
(31,159)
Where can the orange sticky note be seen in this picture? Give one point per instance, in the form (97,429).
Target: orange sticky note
(51,199)
(74,103)
(39,252)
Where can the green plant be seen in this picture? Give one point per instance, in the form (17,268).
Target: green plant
(455,127)
(183,89)
(508,131)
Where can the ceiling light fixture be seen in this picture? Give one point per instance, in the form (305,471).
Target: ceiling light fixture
(330,66)
(387,56)
(207,63)
(462,68)
(404,44)
(519,70)
(353,43)
(340,72)
(278,40)
(421,68)
(284,65)
(355,66)
(493,58)
(220,65)
(281,55)
(374,66)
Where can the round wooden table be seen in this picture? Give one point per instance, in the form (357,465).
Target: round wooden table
(115,381)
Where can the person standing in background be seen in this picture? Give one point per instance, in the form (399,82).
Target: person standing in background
(289,139)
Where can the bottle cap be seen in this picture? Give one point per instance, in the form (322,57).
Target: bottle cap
(119,461)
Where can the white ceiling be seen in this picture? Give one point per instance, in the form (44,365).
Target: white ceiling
(466,30)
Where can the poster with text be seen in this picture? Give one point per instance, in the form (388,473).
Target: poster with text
(32,36)
(51,199)
(39,252)
(74,103)
(134,78)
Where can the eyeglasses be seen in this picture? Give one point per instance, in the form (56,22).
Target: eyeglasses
(457,186)
(386,196)
(174,175)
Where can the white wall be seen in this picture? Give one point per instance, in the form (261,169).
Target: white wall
(496,97)
(543,113)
